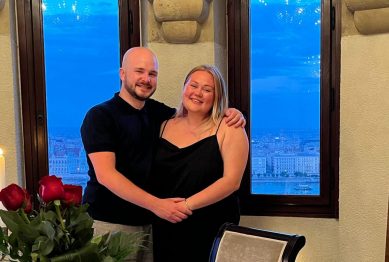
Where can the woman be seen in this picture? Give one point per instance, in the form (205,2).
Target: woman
(202,160)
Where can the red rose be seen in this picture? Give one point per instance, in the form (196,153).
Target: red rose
(28,203)
(51,188)
(14,197)
(73,194)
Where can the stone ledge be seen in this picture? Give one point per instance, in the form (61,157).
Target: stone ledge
(370,17)
(374,21)
(180,20)
(179,10)
(357,5)
(181,32)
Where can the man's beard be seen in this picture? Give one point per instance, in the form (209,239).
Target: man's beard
(132,92)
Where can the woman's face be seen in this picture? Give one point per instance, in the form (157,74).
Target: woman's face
(199,92)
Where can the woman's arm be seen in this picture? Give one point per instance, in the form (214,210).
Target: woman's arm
(113,180)
(234,149)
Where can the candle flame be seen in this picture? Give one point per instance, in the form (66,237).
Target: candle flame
(1,152)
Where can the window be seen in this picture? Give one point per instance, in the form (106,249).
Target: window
(70,52)
(283,73)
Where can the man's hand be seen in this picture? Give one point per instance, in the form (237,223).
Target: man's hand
(235,118)
(172,209)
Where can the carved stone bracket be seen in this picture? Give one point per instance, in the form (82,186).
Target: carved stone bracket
(370,16)
(180,20)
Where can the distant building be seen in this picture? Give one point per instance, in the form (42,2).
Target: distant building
(304,163)
(284,164)
(58,165)
(66,156)
(308,164)
(258,165)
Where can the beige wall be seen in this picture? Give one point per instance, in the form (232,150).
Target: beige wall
(359,234)
(10,120)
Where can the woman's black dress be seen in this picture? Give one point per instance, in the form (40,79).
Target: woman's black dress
(182,172)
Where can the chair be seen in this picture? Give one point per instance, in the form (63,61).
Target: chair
(243,244)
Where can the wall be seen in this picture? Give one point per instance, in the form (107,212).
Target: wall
(10,120)
(359,234)
(364,144)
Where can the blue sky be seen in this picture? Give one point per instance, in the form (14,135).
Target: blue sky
(82,60)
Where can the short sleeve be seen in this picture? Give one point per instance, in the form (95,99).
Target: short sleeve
(161,111)
(98,131)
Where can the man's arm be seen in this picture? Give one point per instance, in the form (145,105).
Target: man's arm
(108,176)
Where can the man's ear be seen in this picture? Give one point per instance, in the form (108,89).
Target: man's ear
(121,73)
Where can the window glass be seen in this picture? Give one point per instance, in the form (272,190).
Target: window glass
(81,47)
(285,97)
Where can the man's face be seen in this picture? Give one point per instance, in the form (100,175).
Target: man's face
(139,75)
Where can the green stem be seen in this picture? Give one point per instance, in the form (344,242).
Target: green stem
(24,216)
(57,204)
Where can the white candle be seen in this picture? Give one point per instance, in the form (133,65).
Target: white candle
(2,169)
(2,179)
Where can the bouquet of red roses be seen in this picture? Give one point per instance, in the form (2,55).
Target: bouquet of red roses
(60,230)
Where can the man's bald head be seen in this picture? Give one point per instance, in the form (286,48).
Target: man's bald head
(138,52)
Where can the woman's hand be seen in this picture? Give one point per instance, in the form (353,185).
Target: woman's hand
(171,209)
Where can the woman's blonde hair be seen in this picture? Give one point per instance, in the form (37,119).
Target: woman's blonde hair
(220,102)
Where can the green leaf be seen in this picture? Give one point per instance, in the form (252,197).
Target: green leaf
(89,253)
(11,219)
(43,245)
(109,259)
(16,224)
(46,228)
(49,216)
(120,245)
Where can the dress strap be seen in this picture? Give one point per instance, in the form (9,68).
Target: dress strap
(218,126)
(163,128)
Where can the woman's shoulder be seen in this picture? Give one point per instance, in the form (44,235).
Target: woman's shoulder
(232,131)
(172,122)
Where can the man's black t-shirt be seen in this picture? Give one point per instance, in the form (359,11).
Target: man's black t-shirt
(115,126)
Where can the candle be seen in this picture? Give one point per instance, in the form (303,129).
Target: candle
(2,184)
(2,169)
(2,179)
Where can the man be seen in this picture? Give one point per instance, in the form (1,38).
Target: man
(119,137)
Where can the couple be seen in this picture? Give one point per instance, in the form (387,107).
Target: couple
(184,170)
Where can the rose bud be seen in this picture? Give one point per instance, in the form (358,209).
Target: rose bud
(73,195)
(27,201)
(51,188)
(12,197)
